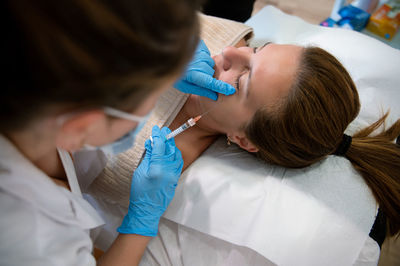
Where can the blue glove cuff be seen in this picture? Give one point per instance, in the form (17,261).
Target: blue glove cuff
(145,226)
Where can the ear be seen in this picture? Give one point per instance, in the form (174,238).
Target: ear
(74,131)
(243,142)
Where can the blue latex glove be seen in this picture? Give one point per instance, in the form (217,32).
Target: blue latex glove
(198,78)
(153,185)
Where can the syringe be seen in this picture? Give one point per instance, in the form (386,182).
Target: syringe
(188,124)
(191,122)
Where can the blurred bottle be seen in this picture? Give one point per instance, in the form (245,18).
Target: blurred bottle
(385,21)
(335,10)
(354,16)
(366,5)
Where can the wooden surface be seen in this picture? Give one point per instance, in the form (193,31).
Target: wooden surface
(309,10)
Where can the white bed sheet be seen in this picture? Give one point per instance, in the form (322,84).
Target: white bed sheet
(178,245)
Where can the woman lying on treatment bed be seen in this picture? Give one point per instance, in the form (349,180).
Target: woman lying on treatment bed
(291,108)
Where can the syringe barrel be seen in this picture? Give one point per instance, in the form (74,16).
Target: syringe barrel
(185,126)
(177,131)
(191,122)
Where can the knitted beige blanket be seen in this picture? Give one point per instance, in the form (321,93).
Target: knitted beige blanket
(113,184)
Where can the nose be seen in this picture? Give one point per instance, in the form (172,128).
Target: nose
(233,57)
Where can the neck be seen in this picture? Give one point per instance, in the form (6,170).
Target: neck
(193,107)
(40,151)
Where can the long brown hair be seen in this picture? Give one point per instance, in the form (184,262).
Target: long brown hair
(309,124)
(91,53)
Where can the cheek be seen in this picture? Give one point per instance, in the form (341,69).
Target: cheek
(231,112)
(228,77)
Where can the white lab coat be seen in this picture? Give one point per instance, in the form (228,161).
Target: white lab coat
(41,223)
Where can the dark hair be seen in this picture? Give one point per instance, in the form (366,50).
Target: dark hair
(309,125)
(90,53)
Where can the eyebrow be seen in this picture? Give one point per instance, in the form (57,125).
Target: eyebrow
(256,50)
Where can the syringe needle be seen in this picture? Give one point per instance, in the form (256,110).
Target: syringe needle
(209,110)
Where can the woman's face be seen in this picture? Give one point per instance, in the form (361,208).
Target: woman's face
(262,76)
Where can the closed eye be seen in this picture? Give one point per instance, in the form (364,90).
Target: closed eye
(255,50)
(237,82)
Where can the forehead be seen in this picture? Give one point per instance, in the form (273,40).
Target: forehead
(273,71)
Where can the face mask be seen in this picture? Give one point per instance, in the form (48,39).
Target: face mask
(125,142)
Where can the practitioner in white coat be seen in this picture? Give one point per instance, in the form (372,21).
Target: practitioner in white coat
(84,75)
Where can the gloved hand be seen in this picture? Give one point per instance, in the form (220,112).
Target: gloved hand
(153,185)
(198,78)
